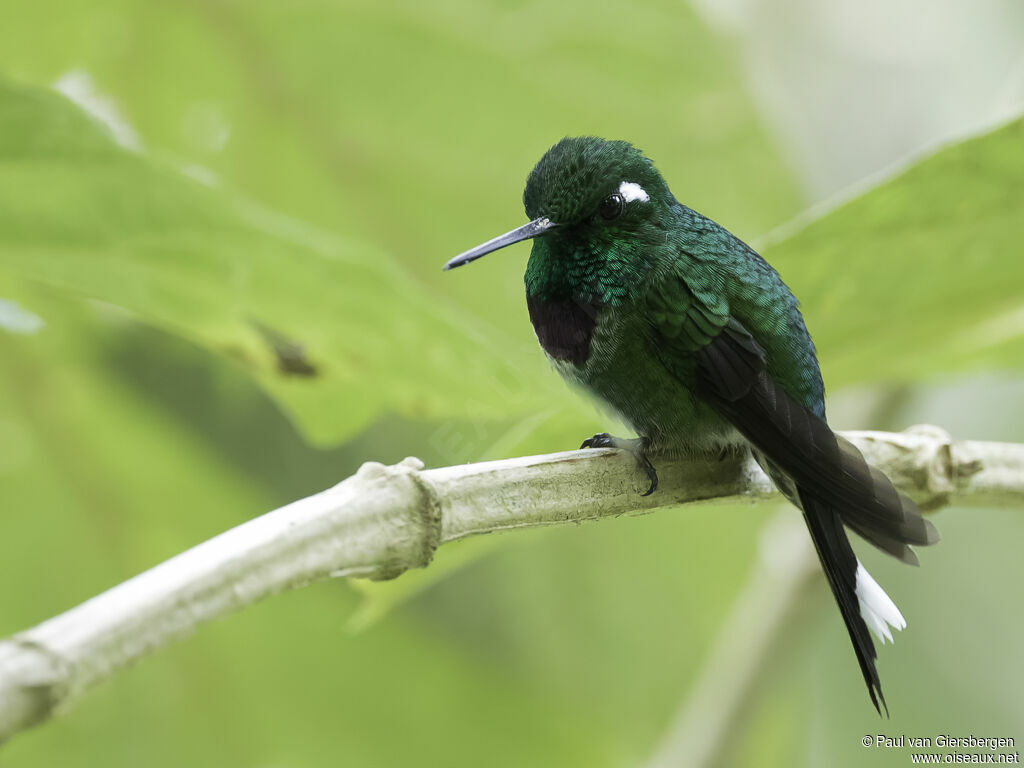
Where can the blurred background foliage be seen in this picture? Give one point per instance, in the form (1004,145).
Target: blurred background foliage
(221,227)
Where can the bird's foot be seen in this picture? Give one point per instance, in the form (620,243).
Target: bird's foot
(637,446)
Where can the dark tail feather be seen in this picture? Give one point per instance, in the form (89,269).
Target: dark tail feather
(889,520)
(735,381)
(824,475)
(841,569)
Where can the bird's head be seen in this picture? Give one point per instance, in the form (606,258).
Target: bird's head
(588,198)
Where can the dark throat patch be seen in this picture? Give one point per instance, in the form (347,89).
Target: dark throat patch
(564,327)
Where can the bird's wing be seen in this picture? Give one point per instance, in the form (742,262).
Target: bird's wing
(700,342)
(683,320)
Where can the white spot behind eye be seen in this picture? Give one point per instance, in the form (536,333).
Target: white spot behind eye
(631,191)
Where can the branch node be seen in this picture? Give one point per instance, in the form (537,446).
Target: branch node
(934,451)
(421,517)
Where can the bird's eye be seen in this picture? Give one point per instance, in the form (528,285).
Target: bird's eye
(611,207)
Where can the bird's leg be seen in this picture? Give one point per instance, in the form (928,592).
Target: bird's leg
(637,446)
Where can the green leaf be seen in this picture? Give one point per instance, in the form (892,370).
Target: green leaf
(99,479)
(921,275)
(337,333)
(340,334)
(413,126)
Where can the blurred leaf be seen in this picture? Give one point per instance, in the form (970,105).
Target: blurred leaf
(922,274)
(98,480)
(338,334)
(413,126)
(316,324)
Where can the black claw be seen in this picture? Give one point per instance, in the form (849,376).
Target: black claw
(637,447)
(652,473)
(600,440)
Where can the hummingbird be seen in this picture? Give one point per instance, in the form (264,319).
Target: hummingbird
(695,341)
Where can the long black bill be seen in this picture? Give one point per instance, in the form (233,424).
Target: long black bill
(525,232)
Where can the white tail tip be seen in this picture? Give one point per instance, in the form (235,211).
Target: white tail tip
(877,608)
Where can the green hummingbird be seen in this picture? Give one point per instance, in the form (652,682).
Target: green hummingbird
(695,341)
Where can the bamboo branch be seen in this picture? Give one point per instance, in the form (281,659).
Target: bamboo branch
(386,519)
